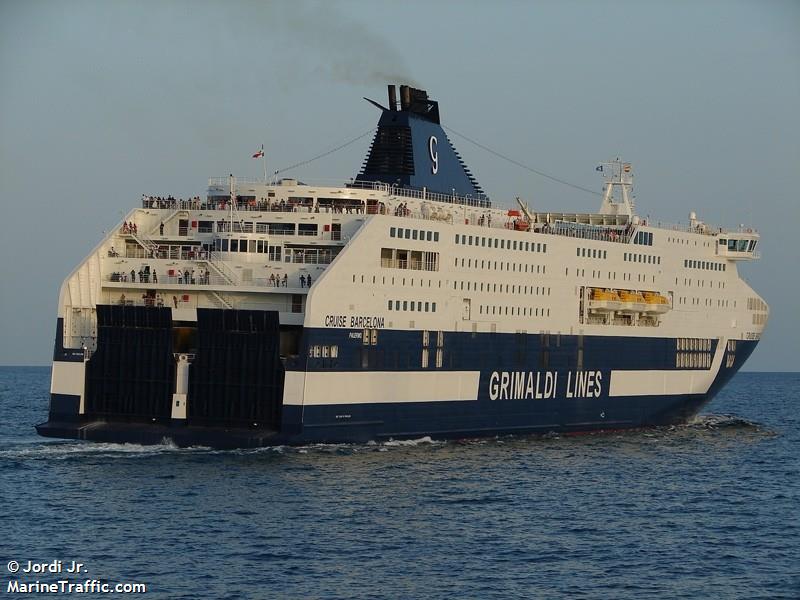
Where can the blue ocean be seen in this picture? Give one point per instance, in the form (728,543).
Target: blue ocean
(706,510)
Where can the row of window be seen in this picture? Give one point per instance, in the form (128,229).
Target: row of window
(693,360)
(484,242)
(411,306)
(598,274)
(694,344)
(756,304)
(643,238)
(398,258)
(323,352)
(516,311)
(642,258)
(706,301)
(591,253)
(706,265)
(503,266)
(701,282)
(414,234)
(474,286)
(759,318)
(256,246)
(739,245)
(251,227)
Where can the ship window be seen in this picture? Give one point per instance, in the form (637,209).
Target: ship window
(334,351)
(234,245)
(495,242)
(390,305)
(419,306)
(427,306)
(605,254)
(433,306)
(252,246)
(393,230)
(316,351)
(407,234)
(435,236)
(515,244)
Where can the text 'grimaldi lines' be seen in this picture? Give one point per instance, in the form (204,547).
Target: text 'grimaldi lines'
(529,385)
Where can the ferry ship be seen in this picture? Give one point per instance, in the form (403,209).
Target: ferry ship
(398,305)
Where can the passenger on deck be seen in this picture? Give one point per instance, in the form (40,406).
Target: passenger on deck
(155,276)
(302,281)
(175,301)
(133,276)
(161,229)
(285,280)
(272,279)
(308,280)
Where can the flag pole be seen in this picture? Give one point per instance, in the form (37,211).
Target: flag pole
(264,158)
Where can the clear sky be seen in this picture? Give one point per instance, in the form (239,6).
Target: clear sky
(103,101)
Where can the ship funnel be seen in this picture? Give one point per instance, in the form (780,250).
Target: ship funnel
(411,149)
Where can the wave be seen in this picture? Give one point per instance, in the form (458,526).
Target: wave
(723,421)
(79,449)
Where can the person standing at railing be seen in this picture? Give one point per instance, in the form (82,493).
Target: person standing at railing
(285,280)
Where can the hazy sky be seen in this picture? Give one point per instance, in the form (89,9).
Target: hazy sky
(103,101)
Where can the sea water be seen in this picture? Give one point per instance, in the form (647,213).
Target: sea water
(706,510)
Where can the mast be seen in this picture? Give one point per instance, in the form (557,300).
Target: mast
(617,174)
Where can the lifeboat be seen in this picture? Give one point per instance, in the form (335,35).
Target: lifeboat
(656,303)
(603,300)
(632,301)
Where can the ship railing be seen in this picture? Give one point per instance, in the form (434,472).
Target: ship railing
(310,258)
(166,253)
(480,201)
(600,233)
(208,280)
(701,228)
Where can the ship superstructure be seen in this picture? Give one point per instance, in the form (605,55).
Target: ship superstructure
(401,304)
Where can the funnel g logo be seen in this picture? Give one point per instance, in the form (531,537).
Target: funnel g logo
(434,154)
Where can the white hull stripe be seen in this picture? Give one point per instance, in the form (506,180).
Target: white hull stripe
(667,383)
(68,378)
(383,386)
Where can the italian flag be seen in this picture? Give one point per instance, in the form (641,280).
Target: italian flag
(260,153)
